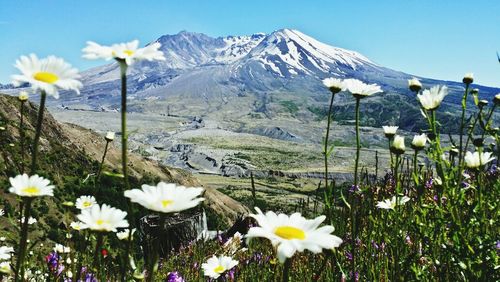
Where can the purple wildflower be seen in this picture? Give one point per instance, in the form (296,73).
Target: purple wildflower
(174,276)
(429,183)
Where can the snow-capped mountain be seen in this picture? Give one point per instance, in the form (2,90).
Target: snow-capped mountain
(202,74)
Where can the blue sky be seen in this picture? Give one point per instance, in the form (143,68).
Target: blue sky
(437,39)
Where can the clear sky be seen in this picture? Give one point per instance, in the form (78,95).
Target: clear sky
(438,39)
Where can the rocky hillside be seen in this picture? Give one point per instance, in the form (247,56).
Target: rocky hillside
(70,153)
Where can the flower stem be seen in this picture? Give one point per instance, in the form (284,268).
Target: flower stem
(21,136)
(462,125)
(329,192)
(123,75)
(286,269)
(98,245)
(390,154)
(98,176)
(23,240)
(38,132)
(358,145)
(156,248)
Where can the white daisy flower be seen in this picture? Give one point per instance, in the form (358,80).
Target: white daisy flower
(5,252)
(123,235)
(85,202)
(49,74)
(31,220)
(166,197)
(2,212)
(31,186)
(216,266)
(475,160)
(334,84)
(61,249)
(360,89)
(293,233)
(390,204)
(431,99)
(104,218)
(5,267)
(76,225)
(129,52)
(23,96)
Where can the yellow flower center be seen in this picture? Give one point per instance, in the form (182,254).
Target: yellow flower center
(31,190)
(128,52)
(87,204)
(289,233)
(219,269)
(100,222)
(46,77)
(165,203)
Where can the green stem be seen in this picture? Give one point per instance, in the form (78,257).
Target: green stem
(390,154)
(415,170)
(123,75)
(38,132)
(358,145)
(21,136)
(329,192)
(23,240)
(156,249)
(462,121)
(488,119)
(286,269)
(100,167)
(98,245)
(396,175)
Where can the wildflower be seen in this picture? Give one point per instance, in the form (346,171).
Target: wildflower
(215,266)
(23,96)
(334,84)
(2,239)
(174,276)
(110,136)
(61,249)
(5,267)
(390,131)
(468,78)
(31,220)
(482,103)
(103,218)
(398,145)
(419,141)
(390,204)
(2,212)
(48,75)
(293,233)
(128,52)
(414,84)
(476,159)
(496,100)
(125,234)
(5,252)
(76,225)
(85,202)
(30,186)
(431,99)
(360,89)
(165,197)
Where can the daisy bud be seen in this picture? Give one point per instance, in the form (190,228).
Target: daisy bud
(23,96)
(474,91)
(414,84)
(454,151)
(334,84)
(398,145)
(482,103)
(2,128)
(496,100)
(419,141)
(110,136)
(468,78)
(478,142)
(390,131)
